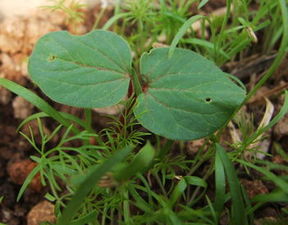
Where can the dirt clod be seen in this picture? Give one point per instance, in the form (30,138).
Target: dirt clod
(8,193)
(281,127)
(42,212)
(5,96)
(254,187)
(18,171)
(22,108)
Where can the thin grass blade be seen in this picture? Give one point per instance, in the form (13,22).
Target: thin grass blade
(140,163)
(181,33)
(90,181)
(36,101)
(281,183)
(238,214)
(220,185)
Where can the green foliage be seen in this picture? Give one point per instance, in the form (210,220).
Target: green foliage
(230,33)
(173,92)
(36,101)
(238,213)
(72,9)
(185,96)
(84,71)
(184,100)
(141,162)
(91,179)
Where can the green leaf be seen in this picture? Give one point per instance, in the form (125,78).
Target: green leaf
(89,217)
(197,181)
(84,71)
(94,175)
(187,96)
(28,180)
(141,162)
(139,201)
(114,19)
(181,32)
(177,192)
(275,196)
(36,101)
(202,3)
(238,214)
(220,186)
(182,185)
(209,46)
(65,115)
(281,183)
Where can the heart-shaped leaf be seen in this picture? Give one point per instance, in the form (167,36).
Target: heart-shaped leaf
(187,96)
(84,71)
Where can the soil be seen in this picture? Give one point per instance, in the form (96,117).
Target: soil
(15,151)
(18,35)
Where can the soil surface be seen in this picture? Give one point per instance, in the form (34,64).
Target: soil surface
(18,34)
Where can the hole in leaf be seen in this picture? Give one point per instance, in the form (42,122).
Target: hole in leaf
(208,100)
(51,58)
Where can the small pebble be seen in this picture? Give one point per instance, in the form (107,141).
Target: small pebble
(42,212)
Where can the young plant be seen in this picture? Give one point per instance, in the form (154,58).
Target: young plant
(178,94)
(175,93)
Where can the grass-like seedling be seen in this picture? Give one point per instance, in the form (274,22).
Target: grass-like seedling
(173,92)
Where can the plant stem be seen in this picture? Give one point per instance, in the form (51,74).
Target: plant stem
(196,192)
(200,162)
(160,184)
(136,83)
(99,16)
(88,117)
